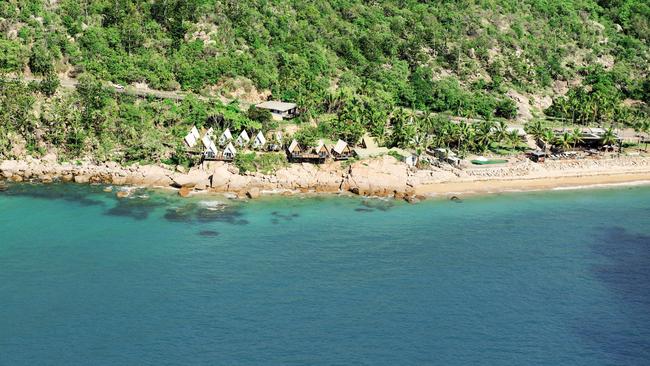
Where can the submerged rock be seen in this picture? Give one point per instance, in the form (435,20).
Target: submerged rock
(184,191)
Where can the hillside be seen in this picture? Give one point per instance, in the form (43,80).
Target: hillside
(587,60)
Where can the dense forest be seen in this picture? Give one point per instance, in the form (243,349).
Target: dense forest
(358,60)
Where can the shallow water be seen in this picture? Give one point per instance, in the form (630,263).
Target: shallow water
(557,278)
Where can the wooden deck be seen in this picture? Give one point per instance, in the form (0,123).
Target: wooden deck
(217,157)
(307,158)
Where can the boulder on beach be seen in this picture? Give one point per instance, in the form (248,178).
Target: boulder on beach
(81,178)
(252,193)
(382,176)
(184,191)
(195,178)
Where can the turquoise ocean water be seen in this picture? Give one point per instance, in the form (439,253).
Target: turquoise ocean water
(557,278)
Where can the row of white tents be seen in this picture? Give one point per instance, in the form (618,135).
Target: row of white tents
(227,141)
(339,151)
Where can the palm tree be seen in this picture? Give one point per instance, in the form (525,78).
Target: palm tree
(565,140)
(420,142)
(609,137)
(501,131)
(642,126)
(513,138)
(576,136)
(535,129)
(462,133)
(547,138)
(483,136)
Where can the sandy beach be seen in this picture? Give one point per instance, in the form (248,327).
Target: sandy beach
(531,184)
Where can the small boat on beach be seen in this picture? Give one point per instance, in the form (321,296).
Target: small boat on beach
(485,161)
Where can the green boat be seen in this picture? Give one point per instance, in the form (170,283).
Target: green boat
(490,161)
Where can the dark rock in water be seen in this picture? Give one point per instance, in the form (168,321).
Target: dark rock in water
(377,204)
(136,209)
(63,192)
(228,214)
(285,217)
(363,209)
(275,221)
(182,214)
(209,233)
(456,199)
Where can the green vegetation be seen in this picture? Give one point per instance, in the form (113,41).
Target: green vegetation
(263,163)
(93,121)
(566,140)
(352,66)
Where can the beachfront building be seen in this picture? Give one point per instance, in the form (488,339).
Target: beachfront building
(368,142)
(242,139)
(341,151)
(192,137)
(411,160)
(210,151)
(321,150)
(276,144)
(280,110)
(259,141)
(406,156)
(294,148)
(315,155)
(537,156)
(445,155)
(225,137)
(229,152)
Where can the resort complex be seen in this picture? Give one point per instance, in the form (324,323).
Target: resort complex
(376,98)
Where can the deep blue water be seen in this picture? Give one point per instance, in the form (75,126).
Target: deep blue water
(558,278)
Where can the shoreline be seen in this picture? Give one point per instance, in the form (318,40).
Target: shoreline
(488,187)
(379,177)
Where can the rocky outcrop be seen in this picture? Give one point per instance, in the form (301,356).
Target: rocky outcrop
(382,176)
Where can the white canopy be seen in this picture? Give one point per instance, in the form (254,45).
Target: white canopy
(229,150)
(206,140)
(293,146)
(212,148)
(243,138)
(320,145)
(190,140)
(340,146)
(260,140)
(195,131)
(225,136)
